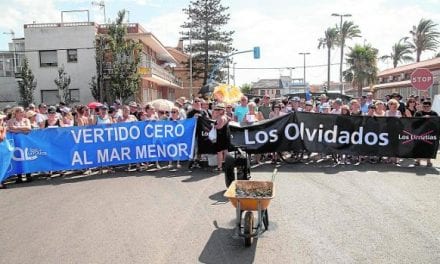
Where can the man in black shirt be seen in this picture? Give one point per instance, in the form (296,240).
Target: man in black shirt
(427,113)
(196,109)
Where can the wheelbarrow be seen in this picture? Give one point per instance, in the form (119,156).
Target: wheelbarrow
(249,197)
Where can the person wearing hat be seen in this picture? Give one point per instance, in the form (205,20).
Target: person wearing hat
(401,106)
(222,141)
(337,104)
(265,107)
(103,117)
(134,110)
(52,120)
(326,108)
(66,117)
(426,112)
(308,107)
(32,116)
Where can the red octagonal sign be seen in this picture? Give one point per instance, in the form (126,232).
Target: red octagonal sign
(422,79)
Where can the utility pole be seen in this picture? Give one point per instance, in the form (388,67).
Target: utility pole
(233,71)
(342,54)
(14,59)
(190,59)
(304,55)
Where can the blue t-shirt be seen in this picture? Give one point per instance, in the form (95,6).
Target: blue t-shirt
(240,112)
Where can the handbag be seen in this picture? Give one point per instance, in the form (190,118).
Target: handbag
(212,135)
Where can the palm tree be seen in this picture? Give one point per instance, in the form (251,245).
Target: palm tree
(400,52)
(329,42)
(362,62)
(424,37)
(348,31)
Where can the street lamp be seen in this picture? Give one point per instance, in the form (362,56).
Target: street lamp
(342,54)
(101,4)
(304,54)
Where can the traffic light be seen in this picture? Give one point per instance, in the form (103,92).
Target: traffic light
(256,52)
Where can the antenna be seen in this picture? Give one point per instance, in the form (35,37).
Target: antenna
(11,32)
(101,5)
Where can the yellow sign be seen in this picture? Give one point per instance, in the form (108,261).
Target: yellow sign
(144,70)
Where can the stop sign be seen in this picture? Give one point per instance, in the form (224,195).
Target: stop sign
(421,79)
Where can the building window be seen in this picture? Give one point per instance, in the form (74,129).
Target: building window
(50,97)
(262,92)
(48,58)
(72,55)
(74,95)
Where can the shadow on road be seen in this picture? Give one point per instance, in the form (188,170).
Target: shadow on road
(329,167)
(224,246)
(219,198)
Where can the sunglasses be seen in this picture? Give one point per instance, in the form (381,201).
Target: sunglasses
(174,112)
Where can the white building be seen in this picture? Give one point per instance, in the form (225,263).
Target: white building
(10,66)
(69,45)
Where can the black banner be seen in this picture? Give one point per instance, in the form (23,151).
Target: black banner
(355,135)
(204,144)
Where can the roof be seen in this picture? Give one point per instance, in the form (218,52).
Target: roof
(267,84)
(430,64)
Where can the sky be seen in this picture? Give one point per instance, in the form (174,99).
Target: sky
(281,28)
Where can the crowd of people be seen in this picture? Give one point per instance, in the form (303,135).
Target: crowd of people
(23,120)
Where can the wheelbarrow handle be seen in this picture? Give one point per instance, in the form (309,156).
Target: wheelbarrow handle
(274,173)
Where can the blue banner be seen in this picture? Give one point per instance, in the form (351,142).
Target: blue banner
(74,148)
(5,157)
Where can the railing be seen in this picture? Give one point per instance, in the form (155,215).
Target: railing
(155,69)
(67,24)
(162,73)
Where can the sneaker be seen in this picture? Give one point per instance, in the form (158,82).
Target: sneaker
(179,166)
(429,164)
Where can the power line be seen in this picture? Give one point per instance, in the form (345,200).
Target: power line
(278,68)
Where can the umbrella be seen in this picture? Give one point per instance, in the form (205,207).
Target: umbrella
(227,93)
(208,88)
(162,104)
(93,105)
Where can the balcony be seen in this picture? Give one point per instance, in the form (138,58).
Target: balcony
(158,74)
(152,72)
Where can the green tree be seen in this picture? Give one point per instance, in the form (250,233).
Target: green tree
(348,31)
(96,83)
(362,62)
(94,88)
(126,55)
(209,43)
(63,82)
(328,41)
(246,88)
(424,37)
(401,52)
(26,84)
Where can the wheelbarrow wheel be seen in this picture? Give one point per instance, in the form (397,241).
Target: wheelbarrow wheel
(266,219)
(248,226)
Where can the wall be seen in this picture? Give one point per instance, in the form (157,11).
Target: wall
(60,38)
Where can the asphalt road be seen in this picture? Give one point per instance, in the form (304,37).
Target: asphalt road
(321,214)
